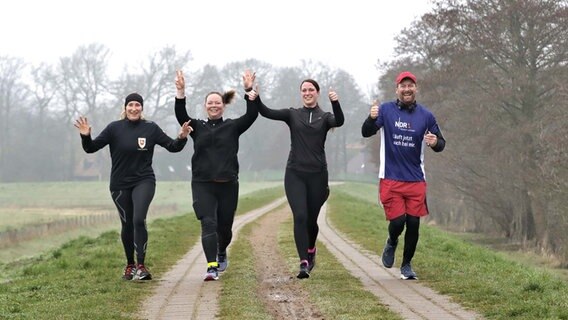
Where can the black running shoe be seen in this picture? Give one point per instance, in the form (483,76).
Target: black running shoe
(223,262)
(312,260)
(388,253)
(129,272)
(211,275)
(142,273)
(304,271)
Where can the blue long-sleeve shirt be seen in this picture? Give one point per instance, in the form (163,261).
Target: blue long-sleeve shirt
(402,140)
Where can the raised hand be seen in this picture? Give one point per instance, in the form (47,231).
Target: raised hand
(83,125)
(248,79)
(180,85)
(253,93)
(430,139)
(374,109)
(333,95)
(185,130)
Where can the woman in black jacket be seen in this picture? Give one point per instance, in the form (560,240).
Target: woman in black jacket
(131,142)
(215,168)
(306,177)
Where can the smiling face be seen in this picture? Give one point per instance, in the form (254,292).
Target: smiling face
(309,94)
(406,91)
(214,106)
(133,111)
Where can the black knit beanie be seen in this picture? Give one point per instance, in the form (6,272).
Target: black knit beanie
(134,97)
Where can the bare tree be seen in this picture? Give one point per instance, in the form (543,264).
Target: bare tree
(82,91)
(12,98)
(43,94)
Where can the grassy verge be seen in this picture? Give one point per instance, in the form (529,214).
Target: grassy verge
(81,279)
(480,279)
(239,299)
(22,204)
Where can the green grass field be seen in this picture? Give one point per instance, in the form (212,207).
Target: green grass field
(25,204)
(81,280)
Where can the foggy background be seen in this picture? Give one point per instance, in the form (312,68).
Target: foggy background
(492,71)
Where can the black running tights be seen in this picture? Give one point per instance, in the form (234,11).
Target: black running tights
(306,193)
(132,205)
(215,204)
(396,226)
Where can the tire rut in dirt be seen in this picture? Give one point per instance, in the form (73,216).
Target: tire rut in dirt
(279,290)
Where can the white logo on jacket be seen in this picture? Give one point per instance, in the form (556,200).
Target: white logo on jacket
(142,143)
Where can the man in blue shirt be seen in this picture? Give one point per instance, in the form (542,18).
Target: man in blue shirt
(406,129)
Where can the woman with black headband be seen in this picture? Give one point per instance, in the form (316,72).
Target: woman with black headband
(132,181)
(215,168)
(306,177)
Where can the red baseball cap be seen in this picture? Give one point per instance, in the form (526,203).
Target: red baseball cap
(403,75)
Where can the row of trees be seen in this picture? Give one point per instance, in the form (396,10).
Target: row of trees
(493,71)
(38,105)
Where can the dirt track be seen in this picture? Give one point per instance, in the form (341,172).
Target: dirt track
(181,294)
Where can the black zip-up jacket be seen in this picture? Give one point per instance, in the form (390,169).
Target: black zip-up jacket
(131,145)
(216,143)
(308,132)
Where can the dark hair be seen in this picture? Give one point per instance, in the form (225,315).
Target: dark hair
(227,96)
(312,81)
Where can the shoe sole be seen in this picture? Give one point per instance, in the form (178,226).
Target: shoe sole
(303,275)
(403,277)
(386,265)
(210,278)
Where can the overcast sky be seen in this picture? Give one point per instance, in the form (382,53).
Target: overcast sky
(351,35)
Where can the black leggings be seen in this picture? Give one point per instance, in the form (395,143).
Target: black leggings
(132,205)
(306,193)
(215,204)
(396,226)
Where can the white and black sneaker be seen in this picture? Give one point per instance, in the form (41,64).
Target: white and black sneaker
(406,272)
(212,274)
(142,273)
